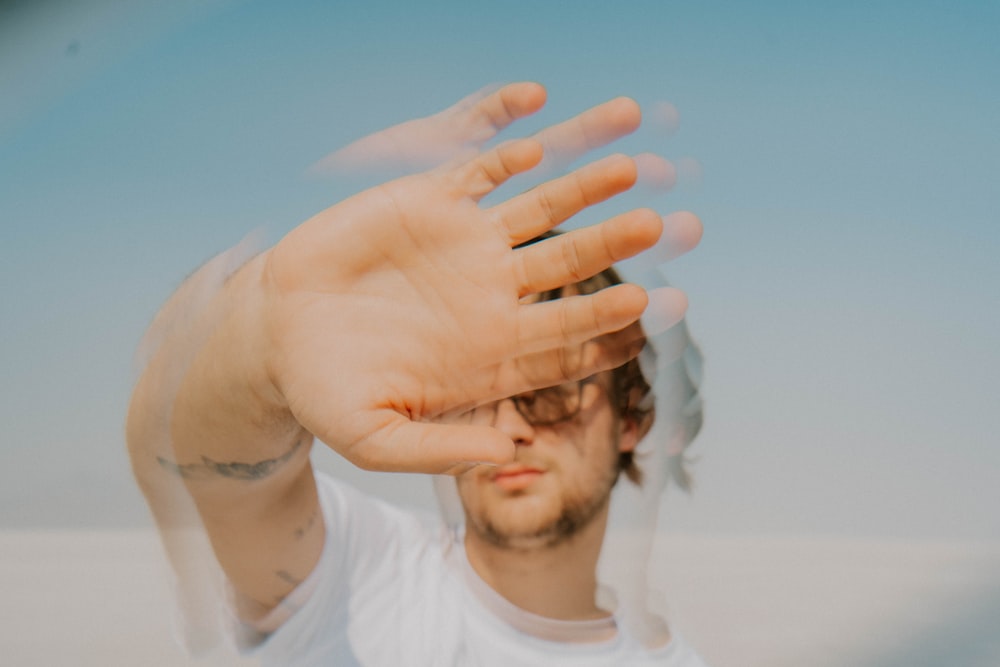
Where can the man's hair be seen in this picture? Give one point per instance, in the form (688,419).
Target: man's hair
(630,393)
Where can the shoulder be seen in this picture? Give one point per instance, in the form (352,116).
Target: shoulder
(379,563)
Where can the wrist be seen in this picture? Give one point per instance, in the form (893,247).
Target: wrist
(244,342)
(228,394)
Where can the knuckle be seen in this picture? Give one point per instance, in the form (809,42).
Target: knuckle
(565,327)
(546,204)
(485,172)
(582,191)
(503,114)
(504,169)
(572,261)
(563,364)
(607,246)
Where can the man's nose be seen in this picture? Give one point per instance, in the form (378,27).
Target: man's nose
(513,424)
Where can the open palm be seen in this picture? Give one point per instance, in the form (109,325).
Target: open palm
(404,303)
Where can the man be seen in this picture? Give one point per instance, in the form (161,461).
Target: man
(394,327)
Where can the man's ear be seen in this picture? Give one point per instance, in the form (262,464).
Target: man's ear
(633,429)
(628,435)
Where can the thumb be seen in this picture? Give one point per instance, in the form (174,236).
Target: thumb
(400,445)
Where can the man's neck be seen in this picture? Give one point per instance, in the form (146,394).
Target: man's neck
(556,580)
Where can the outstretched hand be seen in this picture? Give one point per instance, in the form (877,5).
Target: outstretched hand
(404,302)
(462,129)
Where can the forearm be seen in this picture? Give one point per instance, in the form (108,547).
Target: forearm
(232,434)
(203,409)
(211,443)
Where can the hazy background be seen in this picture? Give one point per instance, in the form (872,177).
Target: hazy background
(845,293)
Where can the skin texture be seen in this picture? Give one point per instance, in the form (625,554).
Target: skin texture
(535,536)
(463,128)
(442,269)
(568,469)
(363,327)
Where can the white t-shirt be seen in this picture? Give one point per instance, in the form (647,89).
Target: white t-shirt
(394,589)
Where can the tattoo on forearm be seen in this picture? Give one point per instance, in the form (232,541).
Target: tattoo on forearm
(233,469)
(301,531)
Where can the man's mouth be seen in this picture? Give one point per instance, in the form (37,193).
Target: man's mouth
(515,477)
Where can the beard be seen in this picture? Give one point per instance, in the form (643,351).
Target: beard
(577,511)
(572,519)
(553,514)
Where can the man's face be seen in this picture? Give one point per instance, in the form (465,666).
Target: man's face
(561,477)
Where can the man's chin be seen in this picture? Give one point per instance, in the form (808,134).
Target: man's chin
(518,524)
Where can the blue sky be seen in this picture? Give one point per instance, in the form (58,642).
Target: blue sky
(844,293)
